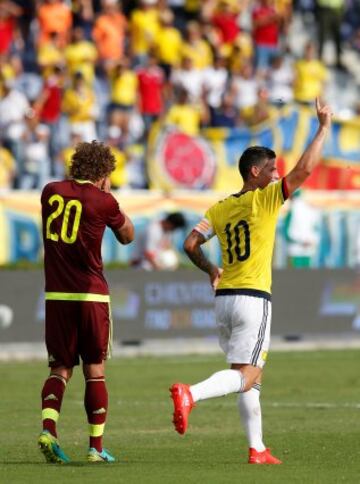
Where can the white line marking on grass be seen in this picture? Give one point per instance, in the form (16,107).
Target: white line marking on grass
(312,405)
(227,403)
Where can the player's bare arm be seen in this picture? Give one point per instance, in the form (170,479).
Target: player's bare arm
(126,233)
(192,247)
(312,154)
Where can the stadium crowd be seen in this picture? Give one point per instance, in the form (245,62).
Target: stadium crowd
(79,70)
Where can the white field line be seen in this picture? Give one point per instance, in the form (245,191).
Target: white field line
(165,403)
(312,405)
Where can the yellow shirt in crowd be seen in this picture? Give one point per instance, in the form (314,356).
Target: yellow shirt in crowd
(200,53)
(49,55)
(118,177)
(7,168)
(124,88)
(79,106)
(185,117)
(169,46)
(310,76)
(144,27)
(67,154)
(81,57)
(7,73)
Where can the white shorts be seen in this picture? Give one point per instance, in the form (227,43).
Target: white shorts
(244,328)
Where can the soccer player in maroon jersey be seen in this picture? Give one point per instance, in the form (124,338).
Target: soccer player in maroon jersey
(75,213)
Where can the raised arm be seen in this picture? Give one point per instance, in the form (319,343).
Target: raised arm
(311,156)
(192,247)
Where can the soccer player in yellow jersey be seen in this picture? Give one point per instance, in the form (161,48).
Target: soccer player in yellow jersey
(245,224)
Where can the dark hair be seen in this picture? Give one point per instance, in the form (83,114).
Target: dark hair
(254,156)
(92,161)
(176,219)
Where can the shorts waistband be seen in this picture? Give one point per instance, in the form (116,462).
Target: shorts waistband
(243,292)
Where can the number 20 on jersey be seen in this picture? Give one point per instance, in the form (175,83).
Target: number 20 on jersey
(71,209)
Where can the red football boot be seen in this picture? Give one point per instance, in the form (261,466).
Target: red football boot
(183,404)
(264,457)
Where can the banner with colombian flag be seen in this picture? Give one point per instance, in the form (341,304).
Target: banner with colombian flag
(210,161)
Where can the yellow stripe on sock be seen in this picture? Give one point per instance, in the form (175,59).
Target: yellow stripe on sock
(96,430)
(50,413)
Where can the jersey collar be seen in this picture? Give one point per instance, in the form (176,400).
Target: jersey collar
(83,181)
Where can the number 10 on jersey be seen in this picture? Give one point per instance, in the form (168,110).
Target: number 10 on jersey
(238,236)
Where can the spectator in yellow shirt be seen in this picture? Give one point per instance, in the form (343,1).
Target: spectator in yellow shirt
(118,177)
(196,47)
(310,76)
(7,168)
(123,94)
(184,116)
(79,103)
(80,55)
(123,86)
(7,72)
(168,43)
(50,54)
(144,28)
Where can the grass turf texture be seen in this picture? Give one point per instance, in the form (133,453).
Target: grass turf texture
(311,414)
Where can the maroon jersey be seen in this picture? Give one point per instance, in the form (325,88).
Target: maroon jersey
(74,217)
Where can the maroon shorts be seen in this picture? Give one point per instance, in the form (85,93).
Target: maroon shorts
(77,328)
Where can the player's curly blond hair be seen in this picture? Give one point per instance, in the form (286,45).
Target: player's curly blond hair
(92,161)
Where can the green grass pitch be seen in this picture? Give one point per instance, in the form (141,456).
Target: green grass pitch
(311,415)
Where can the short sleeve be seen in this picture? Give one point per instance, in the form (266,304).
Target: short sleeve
(273,196)
(114,218)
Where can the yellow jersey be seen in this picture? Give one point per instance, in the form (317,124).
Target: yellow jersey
(66,155)
(185,117)
(200,53)
(79,106)
(81,57)
(7,168)
(169,44)
(118,177)
(245,225)
(124,88)
(144,27)
(310,77)
(49,54)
